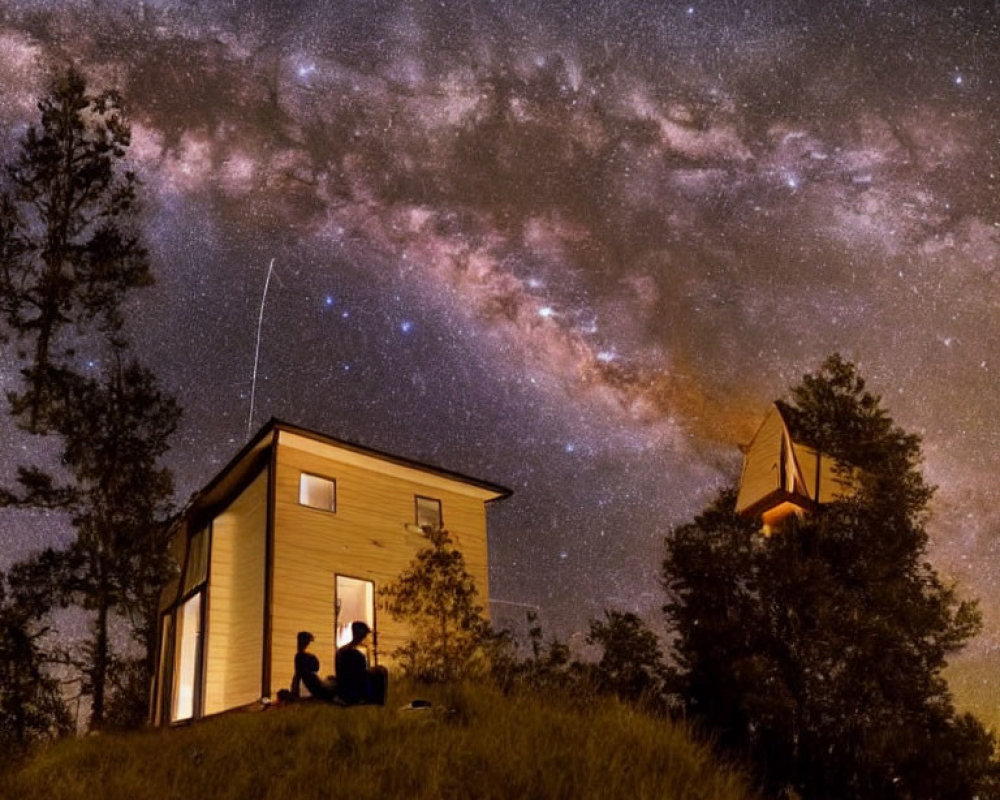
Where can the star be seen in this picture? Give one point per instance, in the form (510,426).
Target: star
(609,239)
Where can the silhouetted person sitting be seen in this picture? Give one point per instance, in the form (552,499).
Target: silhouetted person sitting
(356,683)
(307,671)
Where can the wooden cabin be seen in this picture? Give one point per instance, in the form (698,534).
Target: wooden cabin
(298,532)
(782,476)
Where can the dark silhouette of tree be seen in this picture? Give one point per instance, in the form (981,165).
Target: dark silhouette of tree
(437,597)
(819,650)
(68,252)
(114,431)
(550,661)
(548,665)
(631,665)
(31,704)
(129,680)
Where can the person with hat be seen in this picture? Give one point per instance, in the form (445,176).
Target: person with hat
(356,682)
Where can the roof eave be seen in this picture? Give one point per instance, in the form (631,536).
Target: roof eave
(499,492)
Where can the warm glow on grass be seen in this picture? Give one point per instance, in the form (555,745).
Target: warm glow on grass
(474,743)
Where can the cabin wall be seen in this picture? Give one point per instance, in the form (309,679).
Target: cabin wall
(363,538)
(762,463)
(234,630)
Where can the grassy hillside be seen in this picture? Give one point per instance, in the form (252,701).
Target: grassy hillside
(474,744)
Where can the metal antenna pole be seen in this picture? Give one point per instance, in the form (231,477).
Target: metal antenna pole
(256,353)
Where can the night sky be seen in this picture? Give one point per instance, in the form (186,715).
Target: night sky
(572,248)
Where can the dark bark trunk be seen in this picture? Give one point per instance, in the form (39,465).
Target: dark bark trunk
(99,669)
(36,386)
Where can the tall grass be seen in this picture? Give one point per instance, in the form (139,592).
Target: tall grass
(474,743)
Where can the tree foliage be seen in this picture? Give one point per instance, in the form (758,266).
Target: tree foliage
(631,665)
(68,251)
(114,431)
(547,666)
(31,704)
(819,650)
(437,597)
(551,662)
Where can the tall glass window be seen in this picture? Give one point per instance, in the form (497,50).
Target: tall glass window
(188,634)
(164,673)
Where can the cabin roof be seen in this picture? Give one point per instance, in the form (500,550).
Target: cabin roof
(253,454)
(791,417)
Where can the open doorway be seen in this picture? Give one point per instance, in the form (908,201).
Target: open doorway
(355,602)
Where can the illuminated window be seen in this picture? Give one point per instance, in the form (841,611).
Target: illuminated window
(317,492)
(429,512)
(187,636)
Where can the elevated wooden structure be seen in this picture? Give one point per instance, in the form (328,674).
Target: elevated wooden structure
(782,476)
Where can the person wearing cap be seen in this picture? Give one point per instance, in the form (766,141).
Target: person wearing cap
(307,671)
(356,683)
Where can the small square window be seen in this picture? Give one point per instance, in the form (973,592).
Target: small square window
(317,492)
(429,512)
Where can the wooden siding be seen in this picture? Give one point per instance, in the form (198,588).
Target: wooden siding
(235,615)
(365,538)
(762,463)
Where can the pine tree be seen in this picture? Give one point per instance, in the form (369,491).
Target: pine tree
(68,252)
(436,596)
(114,431)
(819,650)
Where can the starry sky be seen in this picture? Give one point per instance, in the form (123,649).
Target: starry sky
(574,248)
